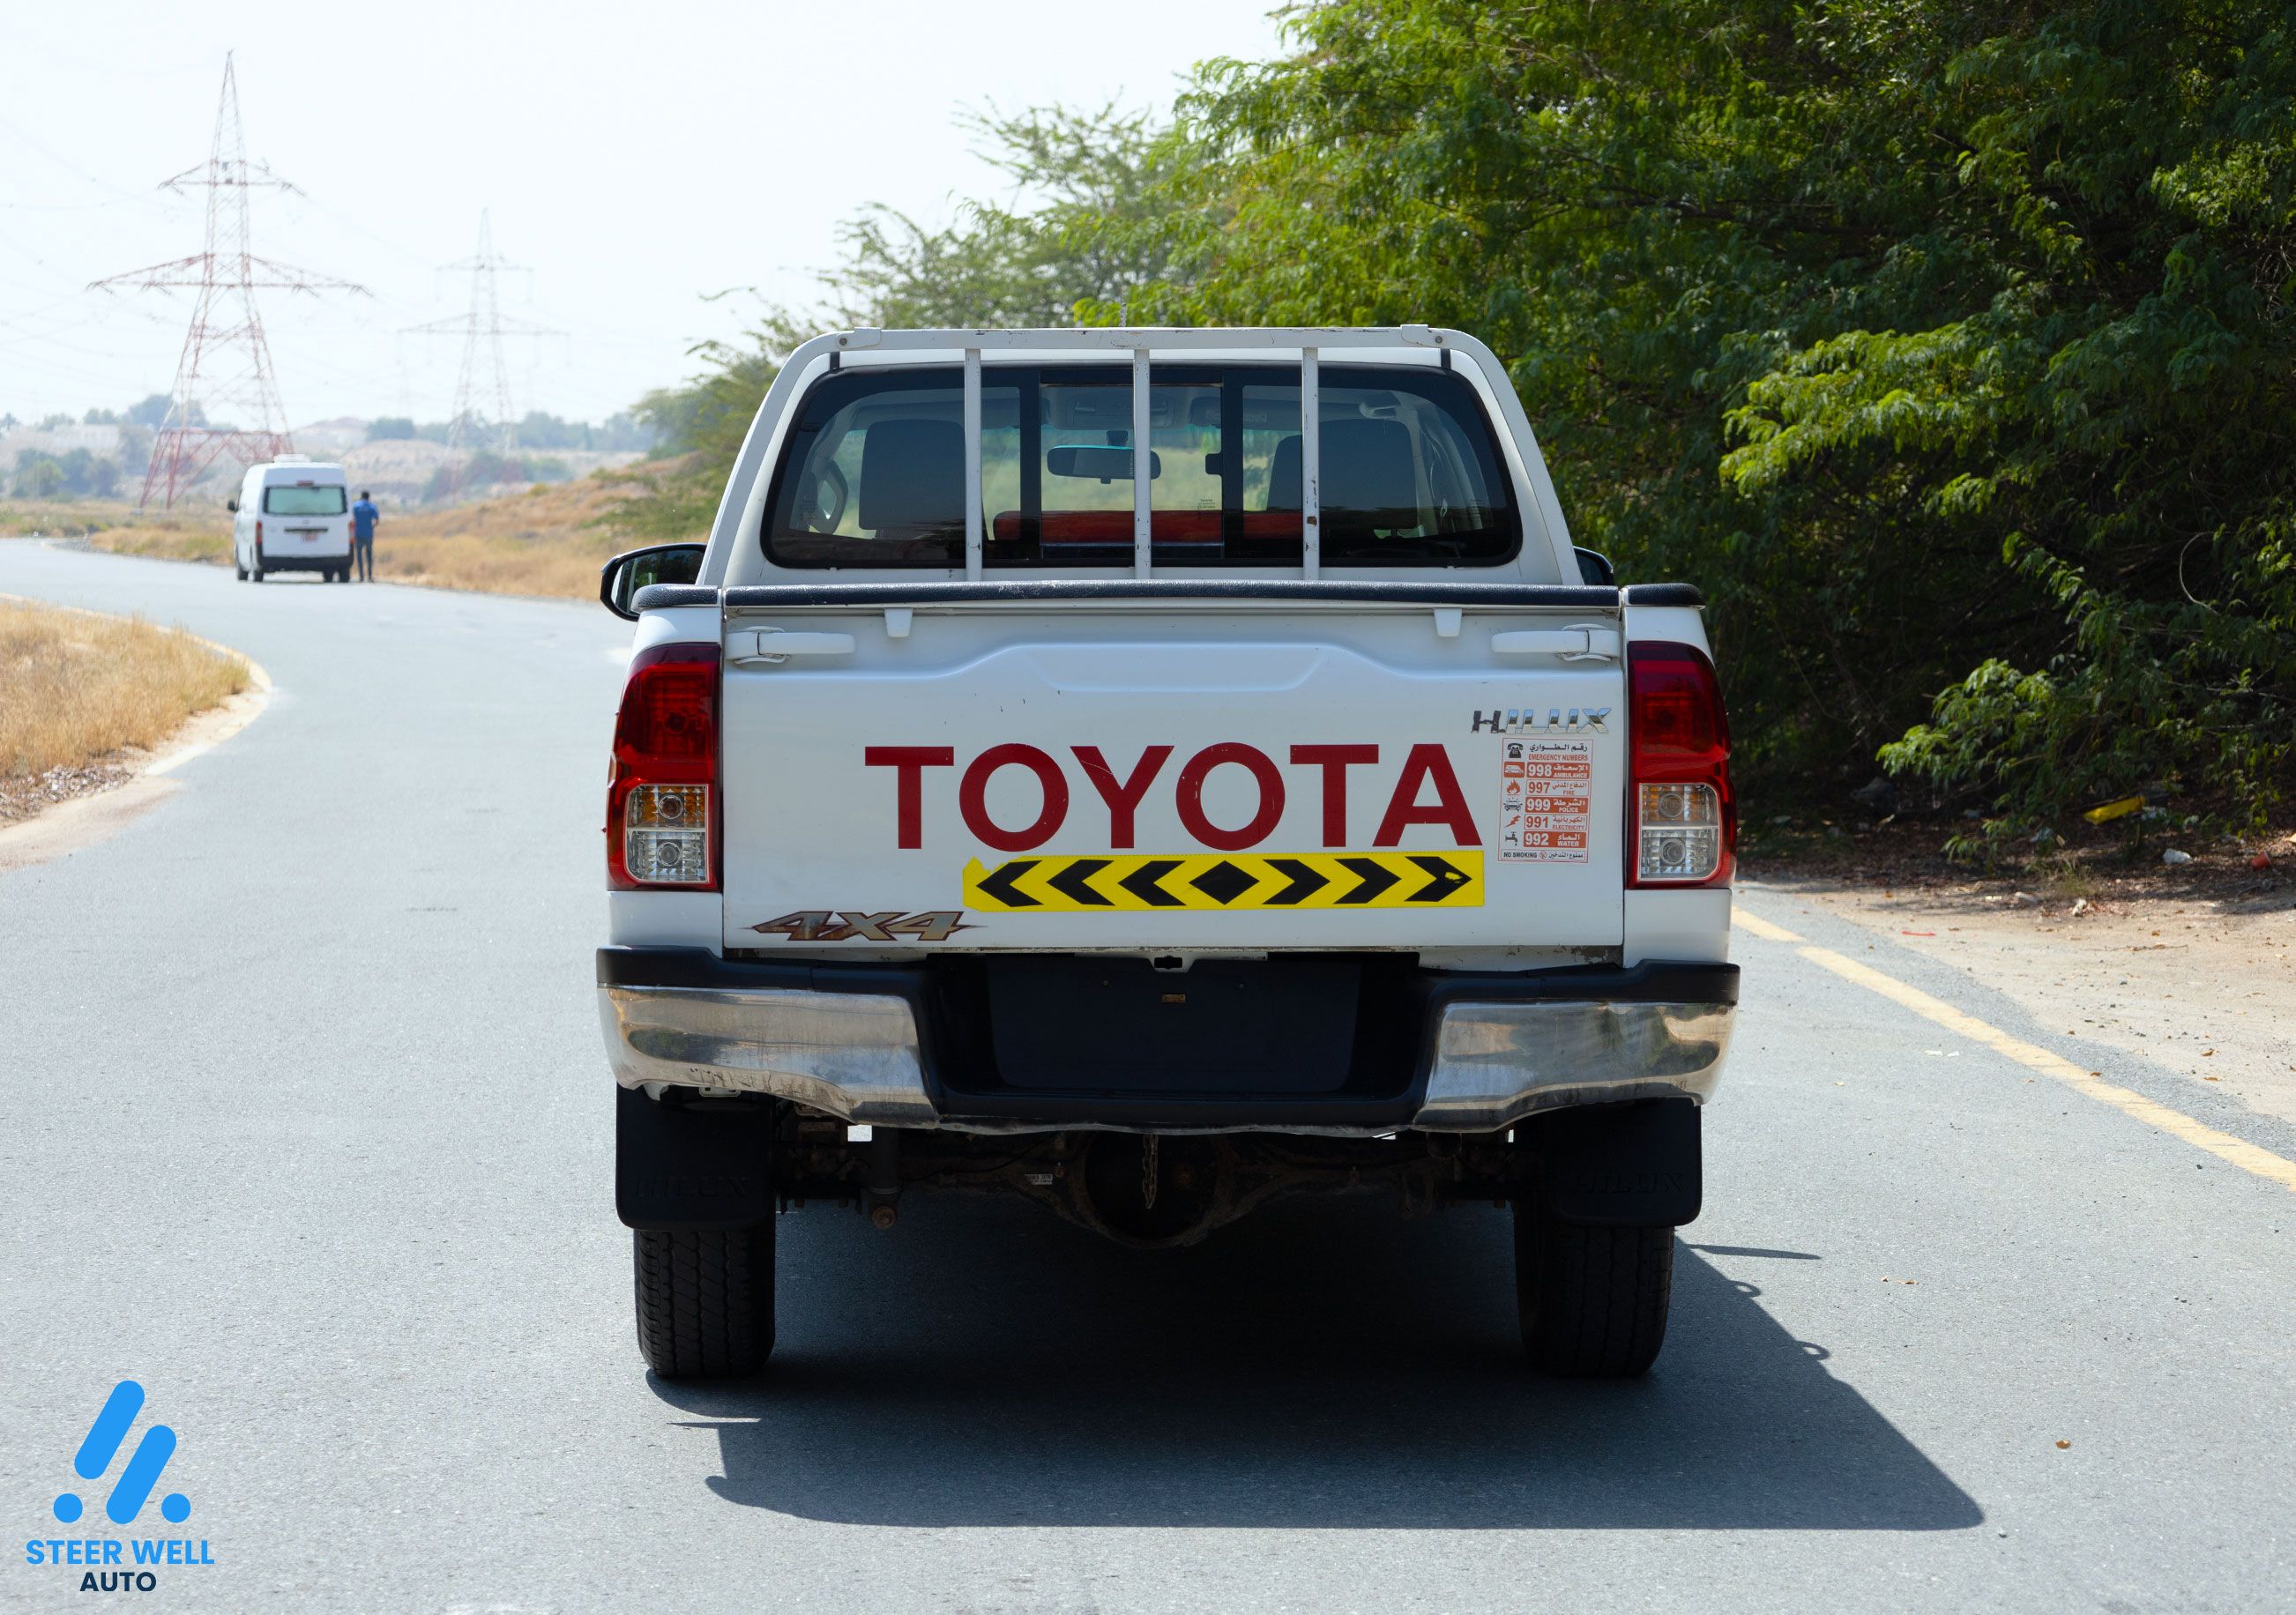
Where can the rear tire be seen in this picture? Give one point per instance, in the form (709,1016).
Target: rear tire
(255,567)
(705,1300)
(1593,1300)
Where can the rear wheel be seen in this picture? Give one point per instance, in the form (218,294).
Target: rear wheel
(238,567)
(255,566)
(705,1300)
(1593,1300)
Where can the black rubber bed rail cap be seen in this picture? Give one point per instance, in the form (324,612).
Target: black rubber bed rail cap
(1663,593)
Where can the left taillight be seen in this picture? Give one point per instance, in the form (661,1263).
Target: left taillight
(1681,819)
(662,806)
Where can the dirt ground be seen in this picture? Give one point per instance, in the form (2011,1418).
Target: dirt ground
(2192,966)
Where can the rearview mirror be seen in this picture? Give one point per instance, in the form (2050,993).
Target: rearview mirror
(620,579)
(232,505)
(1104,463)
(1594,567)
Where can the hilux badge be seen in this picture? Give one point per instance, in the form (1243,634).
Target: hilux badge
(1527,720)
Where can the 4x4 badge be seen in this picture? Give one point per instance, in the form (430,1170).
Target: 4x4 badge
(853,925)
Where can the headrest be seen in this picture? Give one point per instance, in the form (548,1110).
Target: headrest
(1285,483)
(911,475)
(1369,472)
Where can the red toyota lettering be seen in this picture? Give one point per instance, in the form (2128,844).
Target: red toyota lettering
(909,764)
(1427,761)
(1262,769)
(973,798)
(1122,795)
(1334,761)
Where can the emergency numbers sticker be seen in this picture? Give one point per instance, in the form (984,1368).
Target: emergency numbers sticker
(1546,790)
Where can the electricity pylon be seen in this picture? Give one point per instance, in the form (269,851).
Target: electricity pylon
(223,277)
(482,327)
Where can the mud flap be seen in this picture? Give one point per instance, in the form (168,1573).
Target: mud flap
(681,1168)
(1619,1164)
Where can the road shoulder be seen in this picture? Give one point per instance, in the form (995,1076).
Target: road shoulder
(2198,987)
(130,782)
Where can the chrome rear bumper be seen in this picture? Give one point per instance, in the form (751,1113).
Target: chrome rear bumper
(1490,1061)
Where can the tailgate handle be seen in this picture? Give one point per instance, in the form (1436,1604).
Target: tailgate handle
(1582,642)
(773,646)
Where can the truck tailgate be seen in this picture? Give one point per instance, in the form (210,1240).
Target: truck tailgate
(1184,776)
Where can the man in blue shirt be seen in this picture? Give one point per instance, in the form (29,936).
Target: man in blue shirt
(364,516)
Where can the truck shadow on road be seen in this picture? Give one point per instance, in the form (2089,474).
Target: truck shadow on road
(1320,1364)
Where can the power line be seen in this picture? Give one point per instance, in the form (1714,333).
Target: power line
(223,277)
(482,328)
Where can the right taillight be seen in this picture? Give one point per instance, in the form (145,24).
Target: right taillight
(1683,821)
(661,828)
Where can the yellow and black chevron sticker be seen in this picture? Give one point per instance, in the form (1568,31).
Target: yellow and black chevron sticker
(1068,884)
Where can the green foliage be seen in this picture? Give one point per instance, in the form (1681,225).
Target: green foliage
(1924,336)
(486,467)
(390,429)
(37,476)
(76,474)
(1091,231)
(153,411)
(1949,345)
(617,433)
(1085,233)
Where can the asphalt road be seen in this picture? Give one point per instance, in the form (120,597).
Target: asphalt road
(307,1130)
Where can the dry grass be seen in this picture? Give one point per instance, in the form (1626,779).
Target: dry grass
(75,687)
(548,541)
(181,536)
(20,518)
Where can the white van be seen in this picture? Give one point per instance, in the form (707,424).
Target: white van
(292,515)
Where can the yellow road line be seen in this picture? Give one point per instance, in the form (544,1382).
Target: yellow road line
(2248,1157)
(1760,927)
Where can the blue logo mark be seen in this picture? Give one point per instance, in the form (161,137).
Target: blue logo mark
(144,1465)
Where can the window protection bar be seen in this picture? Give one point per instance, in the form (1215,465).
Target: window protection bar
(1144,470)
(1143,549)
(1311,467)
(743,506)
(972,534)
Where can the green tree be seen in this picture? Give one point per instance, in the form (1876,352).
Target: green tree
(1925,336)
(153,411)
(37,475)
(1089,184)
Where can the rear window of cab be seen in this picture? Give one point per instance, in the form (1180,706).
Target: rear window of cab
(872,472)
(304,499)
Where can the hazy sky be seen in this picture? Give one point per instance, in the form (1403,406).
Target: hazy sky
(634,156)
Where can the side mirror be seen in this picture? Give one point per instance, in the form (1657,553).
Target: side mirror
(232,505)
(1594,567)
(620,579)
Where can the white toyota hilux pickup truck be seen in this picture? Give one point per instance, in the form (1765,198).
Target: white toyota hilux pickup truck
(1287,807)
